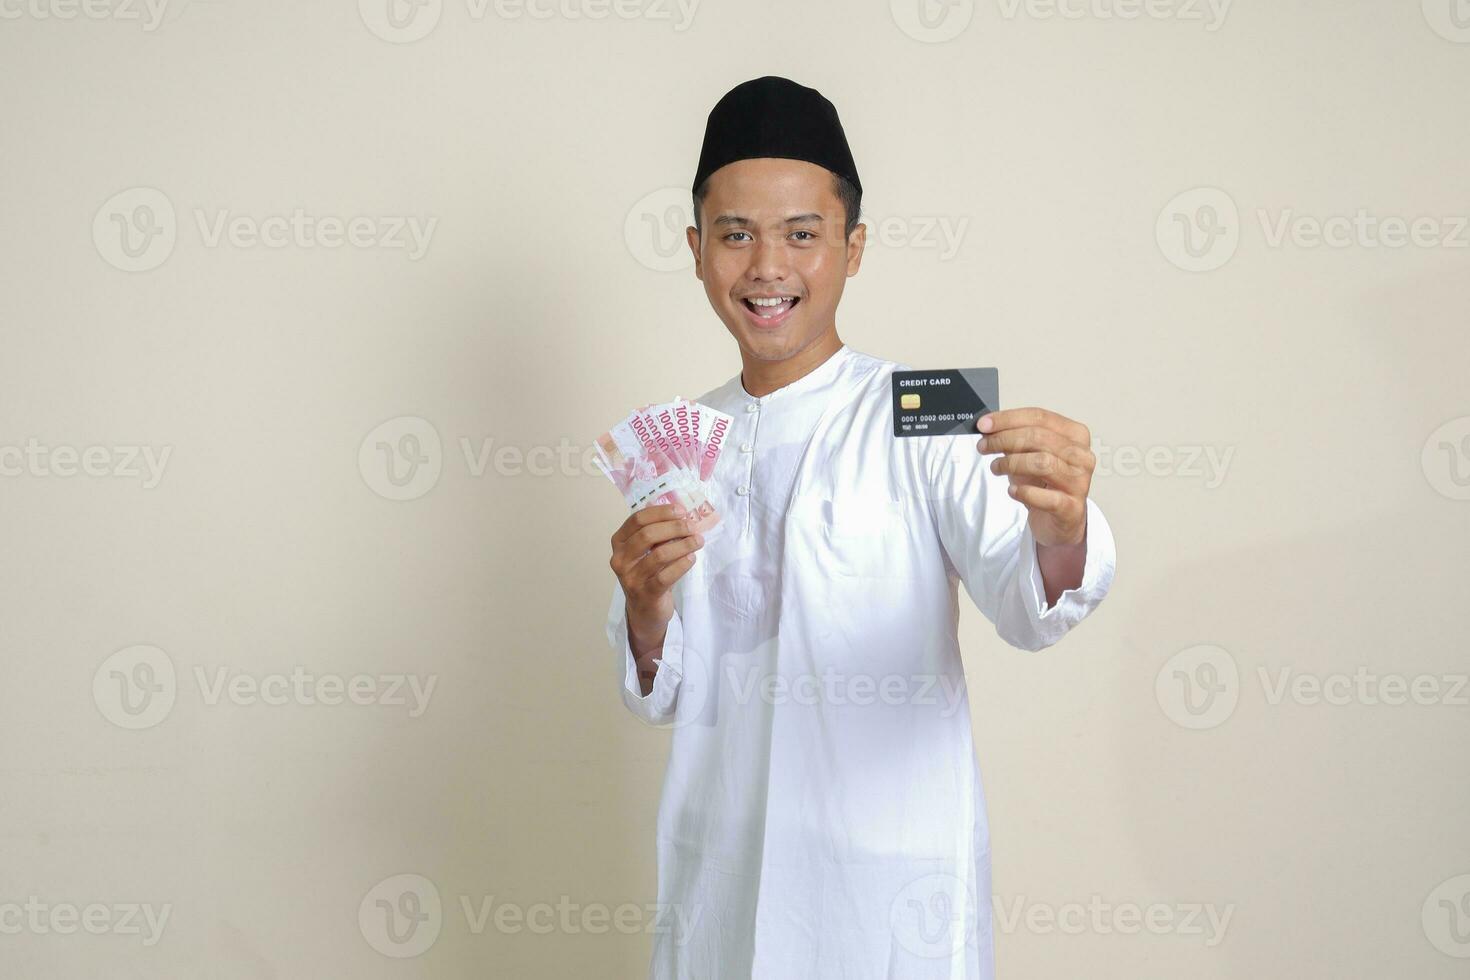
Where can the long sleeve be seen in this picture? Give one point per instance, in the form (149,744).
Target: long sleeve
(658,707)
(986,535)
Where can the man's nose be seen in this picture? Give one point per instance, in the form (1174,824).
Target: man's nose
(769,261)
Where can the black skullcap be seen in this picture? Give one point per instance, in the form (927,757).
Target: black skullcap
(775,117)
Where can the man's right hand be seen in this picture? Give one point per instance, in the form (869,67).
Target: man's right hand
(650,552)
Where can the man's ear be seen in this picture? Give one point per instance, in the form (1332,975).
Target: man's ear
(691,234)
(856,242)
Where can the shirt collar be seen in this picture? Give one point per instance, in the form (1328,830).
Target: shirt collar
(814,378)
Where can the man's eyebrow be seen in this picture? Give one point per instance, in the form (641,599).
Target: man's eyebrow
(740,221)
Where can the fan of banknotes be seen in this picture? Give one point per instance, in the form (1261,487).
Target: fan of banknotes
(665,454)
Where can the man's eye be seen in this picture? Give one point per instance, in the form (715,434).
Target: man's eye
(810,235)
(734,233)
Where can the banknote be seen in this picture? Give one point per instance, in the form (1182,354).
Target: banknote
(665,453)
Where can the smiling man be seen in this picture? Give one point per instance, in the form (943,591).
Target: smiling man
(822,812)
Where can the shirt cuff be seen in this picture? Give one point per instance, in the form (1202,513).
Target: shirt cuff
(657,707)
(1073,605)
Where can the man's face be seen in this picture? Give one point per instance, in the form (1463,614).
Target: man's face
(773,229)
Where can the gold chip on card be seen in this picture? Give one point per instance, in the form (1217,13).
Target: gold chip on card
(907,402)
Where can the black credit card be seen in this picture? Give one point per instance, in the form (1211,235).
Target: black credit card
(943,403)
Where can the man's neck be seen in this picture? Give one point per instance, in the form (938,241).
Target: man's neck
(763,377)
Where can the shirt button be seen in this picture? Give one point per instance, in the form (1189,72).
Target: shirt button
(752,407)
(746,447)
(742,490)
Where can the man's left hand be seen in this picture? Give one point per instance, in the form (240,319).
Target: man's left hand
(1049,460)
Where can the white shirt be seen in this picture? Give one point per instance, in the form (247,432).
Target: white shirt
(822,812)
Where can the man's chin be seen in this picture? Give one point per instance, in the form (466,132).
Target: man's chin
(773,345)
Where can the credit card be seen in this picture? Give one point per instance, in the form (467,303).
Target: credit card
(943,403)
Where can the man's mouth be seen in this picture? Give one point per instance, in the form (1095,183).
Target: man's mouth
(769,310)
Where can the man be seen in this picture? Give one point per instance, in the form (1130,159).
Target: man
(822,813)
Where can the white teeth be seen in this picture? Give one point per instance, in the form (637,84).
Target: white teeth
(773,301)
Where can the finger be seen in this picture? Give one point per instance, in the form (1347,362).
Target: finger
(661,557)
(1012,418)
(677,548)
(1043,466)
(642,518)
(675,570)
(1081,456)
(647,538)
(1048,501)
(1024,440)
(1026,481)
(629,552)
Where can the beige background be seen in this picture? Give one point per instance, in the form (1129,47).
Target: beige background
(550,299)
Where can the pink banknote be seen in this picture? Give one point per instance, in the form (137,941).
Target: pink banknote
(665,453)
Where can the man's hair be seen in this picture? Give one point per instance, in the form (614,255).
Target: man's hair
(850,196)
